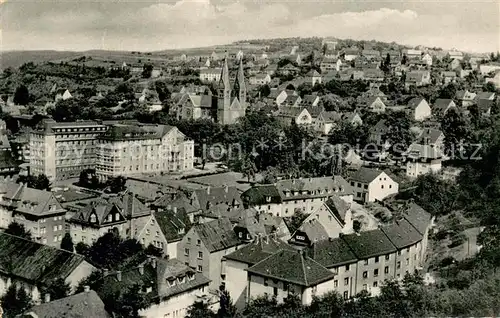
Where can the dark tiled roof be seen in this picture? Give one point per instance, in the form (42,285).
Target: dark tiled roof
(82,305)
(402,234)
(292,267)
(313,229)
(258,250)
(35,262)
(173,268)
(338,207)
(135,132)
(174,225)
(217,235)
(414,102)
(213,196)
(430,135)
(418,217)
(331,252)
(369,244)
(442,104)
(485,104)
(31,201)
(365,175)
(259,194)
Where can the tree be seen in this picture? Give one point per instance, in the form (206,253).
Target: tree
(94,281)
(147,70)
(330,305)
(88,179)
(21,95)
(130,302)
(82,248)
(153,251)
(296,220)
(227,308)
(199,309)
(116,184)
(67,243)
(456,131)
(489,87)
(40,182)
(17,229)
(57,289)
(15,301)
(162,90)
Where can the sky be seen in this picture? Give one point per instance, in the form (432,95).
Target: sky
(143,25)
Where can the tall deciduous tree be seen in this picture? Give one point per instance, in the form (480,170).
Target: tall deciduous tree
(15,301)
(57,289)
(17,229)
(67,243)
(21,95)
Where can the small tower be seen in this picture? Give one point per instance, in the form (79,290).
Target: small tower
(240,89)
(224,94)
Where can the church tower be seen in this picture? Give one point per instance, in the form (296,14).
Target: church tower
(239,86)
(224,94)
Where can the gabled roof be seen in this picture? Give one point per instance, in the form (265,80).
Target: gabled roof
(485,104)
(262,194)
(313,229)
(174,225)
(331,252)
(82,305)
(35,262)
(365,175)
(380,127)
(313,73)
(402,234)
(369,244)
(414,102)
(331,116)
(291,111)
(258,250)
(214,196)
(485,95)
(31,201)
(118,131)
(338,207)
(429,136)
(202,101)
(217,235)
(418,217)
(442,104)
(292,267)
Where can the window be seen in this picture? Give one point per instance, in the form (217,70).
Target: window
(335,283)
(200,255)
(275,291)
(365,274)
(407,261)
(386,270)
(387,257)
(398,266)
(347,268)
(346,281)
(382,186)
(335,270)
(346,295)
(266,283)
(198,242)
(200,268)
(366,186)
(186,252)
(375,272)
(399,253)
(376,259)
(240,235)
(157,233)
(55,228)
(375,284)
(407,250)
(189,240)
(366,262)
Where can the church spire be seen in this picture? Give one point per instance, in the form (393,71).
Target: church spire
(224,78)
(239,85)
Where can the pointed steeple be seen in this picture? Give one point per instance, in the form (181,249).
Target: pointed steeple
(239,85)
(224,78)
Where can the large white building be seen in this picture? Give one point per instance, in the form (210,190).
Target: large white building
(62,150)
(142,148)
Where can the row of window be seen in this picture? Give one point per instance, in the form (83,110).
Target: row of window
(186,253)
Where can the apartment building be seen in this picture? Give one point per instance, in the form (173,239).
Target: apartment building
(62,150)
(371,184)
(307,194)
(37,210)
(134,148)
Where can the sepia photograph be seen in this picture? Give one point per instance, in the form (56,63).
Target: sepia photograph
(249,159)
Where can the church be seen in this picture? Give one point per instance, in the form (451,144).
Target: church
(231,101)
(225,106)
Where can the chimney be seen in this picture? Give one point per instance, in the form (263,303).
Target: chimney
(86,288)
(169,207)
(47,298)
(226,189)
(119,275)
(208,190)
(175,210)
(141,269)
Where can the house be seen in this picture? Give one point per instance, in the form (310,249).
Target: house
(33,265)
(495,79)
(412,53)
(289,272)
(333,218)
(456,55)
(448,77)
(290,114)
(170,285)
(419,109)
(193,106)
(309,100)
(204,246)
(104,214)
(373,74)
(378,133)
(442,106)
(484,106)
(216,198)
(375,104)
(313,77)
(455,65)
(422,159)
(288,195)
(465,98)
(372,184)
(432,137)
(427,59)
(249,225)
(37,210)
(376,260)
(484,95)
(327,121)
(330,64)
(418,78)
(173,224)
(350,54)
(488,68)
(278,96)
(62,94)
(370,54)
(289,69)
(291,101)
(210,74)
(81,305)
(260,79)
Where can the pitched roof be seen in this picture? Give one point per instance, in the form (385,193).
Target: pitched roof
(258,250)
(418,151)
(331,116)
(418,217)
(118,131)
(173,224)
(369,244)
(292,267)
(262,194)
(213,196)
(485,104)
(31,201)
(365,175)
(217,235)
(319,186)
(485,95)
(443,104)
(431,135)
(414,102)
(337,206)
(35,262)
(82,305)
(314,230)
(331,252)
(402,234)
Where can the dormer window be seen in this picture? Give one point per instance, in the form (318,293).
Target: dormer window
(117,216)
(180,231)
(268,199)
(52,208)
(182,279)
(93,218)
(110,218)
(171,282)
(190,276)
